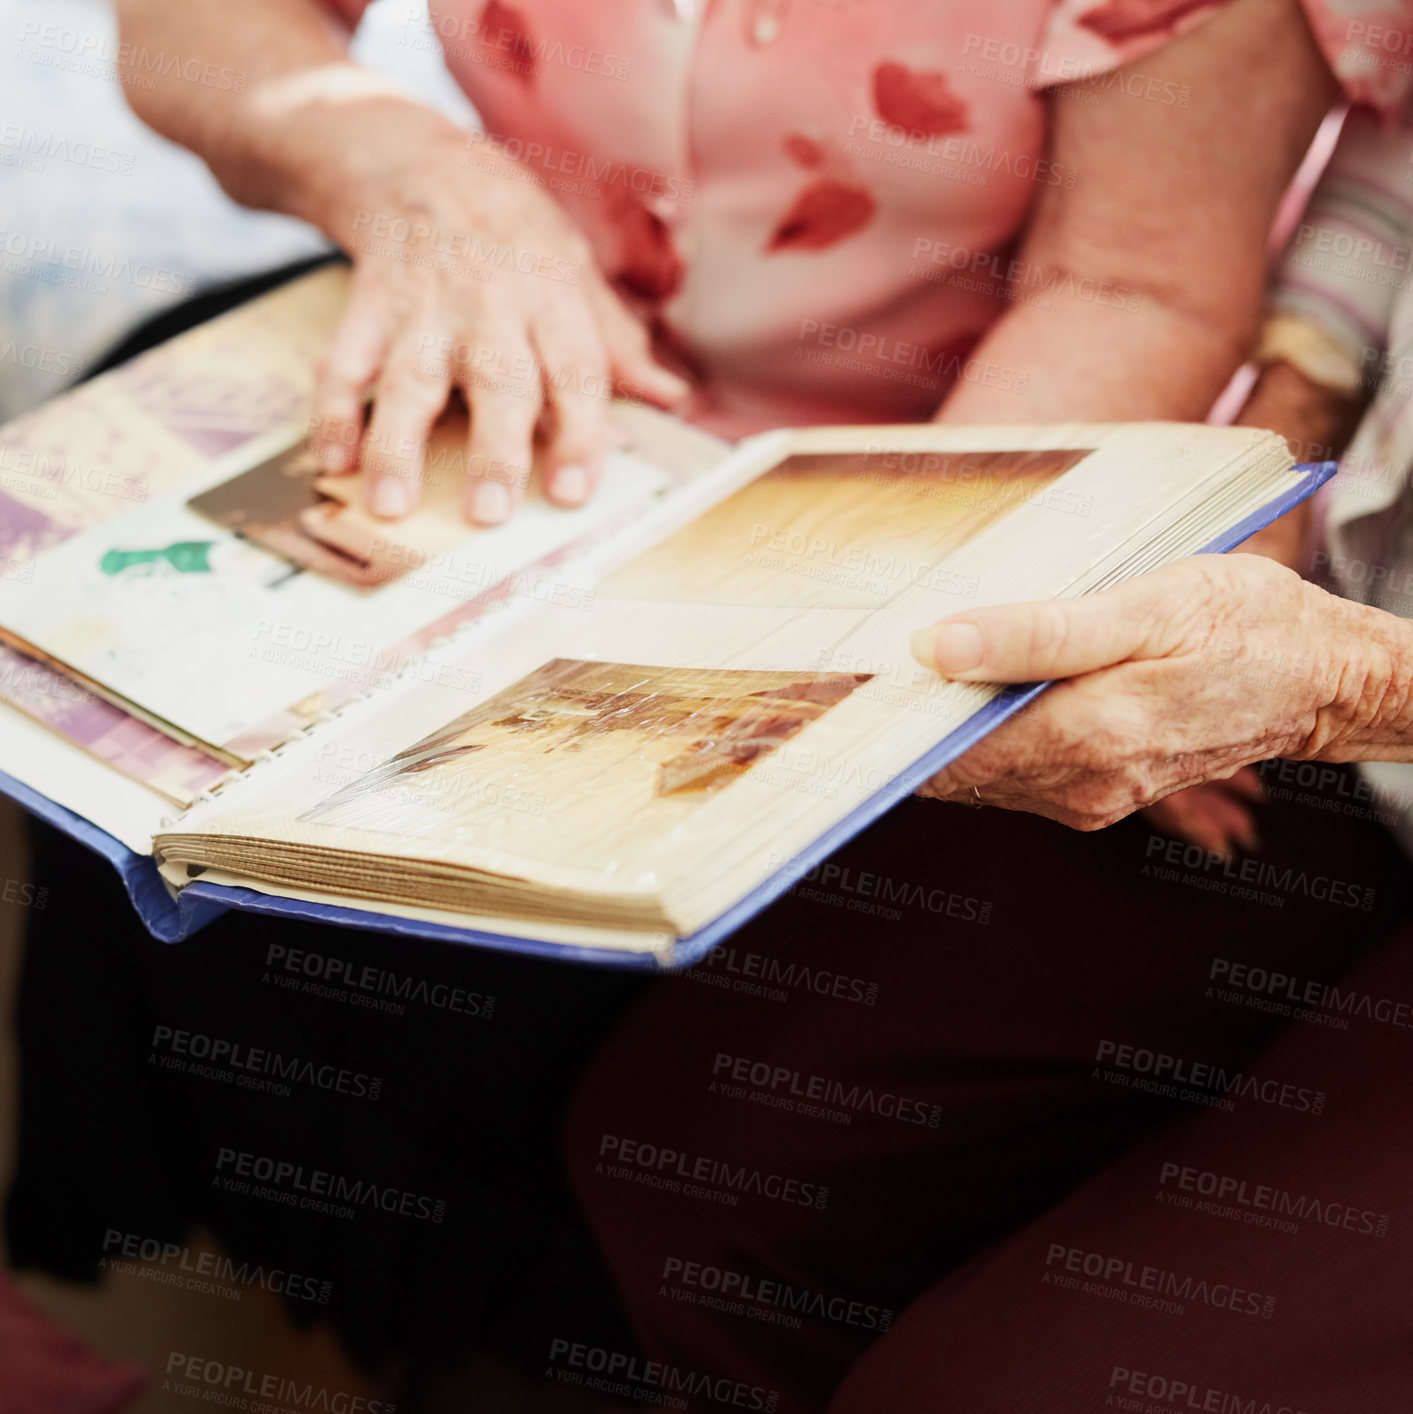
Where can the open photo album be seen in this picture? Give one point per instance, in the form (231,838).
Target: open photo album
(612,733)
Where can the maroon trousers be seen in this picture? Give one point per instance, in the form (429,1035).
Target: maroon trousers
(1253,1260)
(972,1080)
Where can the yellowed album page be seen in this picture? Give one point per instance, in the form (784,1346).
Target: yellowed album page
(731,691)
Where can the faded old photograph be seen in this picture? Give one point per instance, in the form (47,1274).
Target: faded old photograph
(841,530)
(586,762)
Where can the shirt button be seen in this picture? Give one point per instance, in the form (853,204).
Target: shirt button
(765,21)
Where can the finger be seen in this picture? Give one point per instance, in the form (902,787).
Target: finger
(347,369)
(635,371)
(1248,784)
(576,389)
(1177,818)
(938,787)
(1022,795)
(1207,817)
(505,405)
(411,395)
(950,797)
(941,787)
(1234,822)
(1056,638)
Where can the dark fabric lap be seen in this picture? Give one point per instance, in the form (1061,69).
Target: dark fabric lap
(1248,1260)
(986,1033)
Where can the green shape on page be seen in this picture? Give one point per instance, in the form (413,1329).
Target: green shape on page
(184,556)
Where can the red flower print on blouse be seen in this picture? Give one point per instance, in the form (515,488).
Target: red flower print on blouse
(921,101)
(1121,20)
(804,150)
(824,213)
(504,30)
(648,264)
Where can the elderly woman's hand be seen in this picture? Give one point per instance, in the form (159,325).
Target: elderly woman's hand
(466,273)
(471,277)
(1181,676)
(1317,421)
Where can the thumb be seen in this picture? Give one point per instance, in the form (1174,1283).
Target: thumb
(1057,638)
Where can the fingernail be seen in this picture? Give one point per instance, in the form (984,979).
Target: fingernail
(949,648)
(490,503)
(391,498)
(921,647)
(570,485)
(670,384)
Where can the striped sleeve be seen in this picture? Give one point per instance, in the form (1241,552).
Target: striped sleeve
(1352,255)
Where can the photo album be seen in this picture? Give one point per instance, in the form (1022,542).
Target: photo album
(612,733)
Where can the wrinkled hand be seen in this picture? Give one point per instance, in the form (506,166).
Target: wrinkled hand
(1317,422)
(1176,678)
(470,276)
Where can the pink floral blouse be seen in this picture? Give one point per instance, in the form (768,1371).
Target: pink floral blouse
(813,200)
